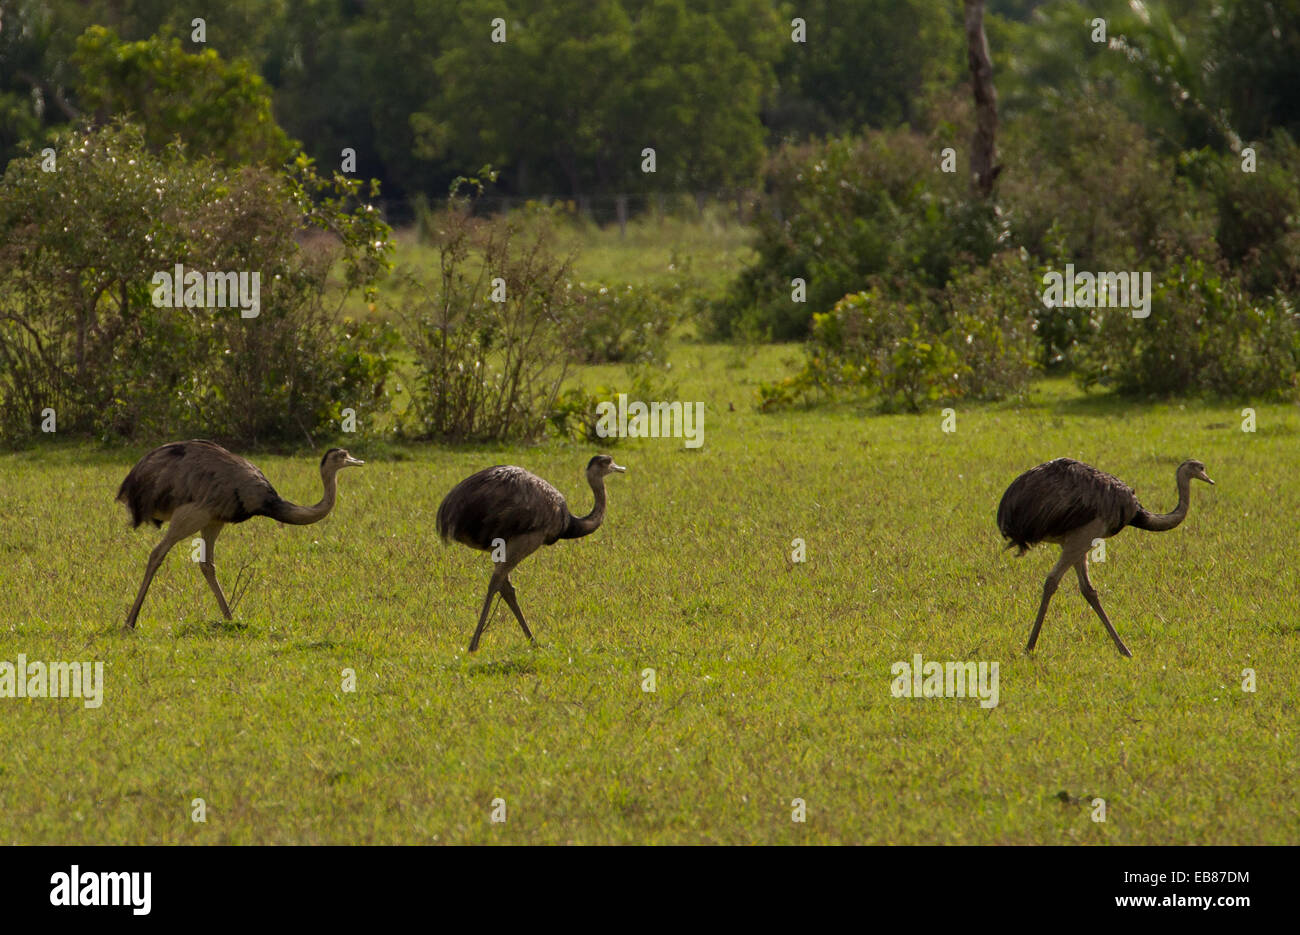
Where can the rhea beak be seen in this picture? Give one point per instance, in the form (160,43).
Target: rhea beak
(617,467)
(353,461)
(1205,477)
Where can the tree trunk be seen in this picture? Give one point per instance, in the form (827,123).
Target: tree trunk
(984,144)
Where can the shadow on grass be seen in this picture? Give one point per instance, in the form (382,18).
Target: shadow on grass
(1056,397)
(1282,629)
(205,628)
(313,646)
(212,628)
(503,667)
(1111,404)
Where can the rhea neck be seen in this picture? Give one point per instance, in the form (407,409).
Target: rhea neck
(287,512)
(1159,522)
(580,526)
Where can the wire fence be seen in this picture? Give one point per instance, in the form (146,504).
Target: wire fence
(607,209)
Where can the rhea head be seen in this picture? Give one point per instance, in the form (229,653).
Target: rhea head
(336,459)
(601,465)
(1195,469)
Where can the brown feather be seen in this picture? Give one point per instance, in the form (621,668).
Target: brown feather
(502,502)
(200,472)
(1059,497)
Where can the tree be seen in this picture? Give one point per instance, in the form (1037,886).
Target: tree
(219,108)
(579,88)
(863,65)
(697,81)
(540,104)
(82,328)
(984,143)
(1257,46)
(331,75)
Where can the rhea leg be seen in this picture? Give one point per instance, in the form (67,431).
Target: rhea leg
(1049,588)
(516,551)
(209,568)
(508,592)
(498,578)
(1090,595)
(184,522)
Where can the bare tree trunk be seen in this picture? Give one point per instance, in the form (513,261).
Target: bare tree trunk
(50,92)
(984,144)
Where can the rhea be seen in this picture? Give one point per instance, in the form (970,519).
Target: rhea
(1073,504)
(199,487)
(511,513)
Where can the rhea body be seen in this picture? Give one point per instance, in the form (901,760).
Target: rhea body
(199,487)
(511,513)
(1072,504)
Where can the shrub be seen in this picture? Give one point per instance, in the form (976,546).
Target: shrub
(838,213)
(1258,213)
(219,108)
(620,324)
(1205,334)
(1086,186)
(79,331)
(974,339)
(485,369)
(991,319)
(574,414)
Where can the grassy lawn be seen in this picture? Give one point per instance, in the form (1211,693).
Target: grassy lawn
(656,251)
(773,678)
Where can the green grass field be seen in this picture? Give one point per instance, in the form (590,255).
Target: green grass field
(773,678)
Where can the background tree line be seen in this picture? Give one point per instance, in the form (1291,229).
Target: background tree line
(566,104)
(1122,150)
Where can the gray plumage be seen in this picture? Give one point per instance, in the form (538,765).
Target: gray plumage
(509,510)
(1073,504)
(199,487)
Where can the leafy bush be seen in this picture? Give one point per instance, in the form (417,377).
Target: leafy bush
(485,369)
(1258,213)
(837,213)
(574,413)
(974,339)
(620,324)
(991,319)
(1205,334)
(79,332)
(1086,186)
(219,108)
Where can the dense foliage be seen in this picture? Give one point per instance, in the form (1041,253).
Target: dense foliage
(875,221)
(1154,138)
(82,330)
(1211,336)
(838,212)
(492,333)
(972,340)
